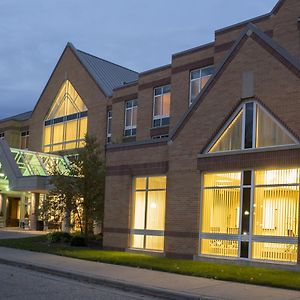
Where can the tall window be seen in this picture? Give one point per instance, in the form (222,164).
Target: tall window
(198,79)
(65,126)
(24,139)
(251,214)
(251,127)
(108,126)
(161,106)
(2,135)
(148,218)
(130,118)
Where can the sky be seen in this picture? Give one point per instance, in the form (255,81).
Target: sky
(137,34)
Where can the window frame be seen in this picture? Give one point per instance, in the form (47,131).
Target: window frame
(24,135)
(2,135)
(130,129)
(191,100)
(161,119)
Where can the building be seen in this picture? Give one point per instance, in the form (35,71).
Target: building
(202,154)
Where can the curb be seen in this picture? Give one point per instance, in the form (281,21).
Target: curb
(145,290)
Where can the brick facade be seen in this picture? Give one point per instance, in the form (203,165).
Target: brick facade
(269,50)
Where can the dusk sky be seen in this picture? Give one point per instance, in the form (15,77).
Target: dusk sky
(137,34)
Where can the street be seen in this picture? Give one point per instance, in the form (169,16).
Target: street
(18,283)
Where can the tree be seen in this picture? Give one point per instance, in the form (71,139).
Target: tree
(80,192)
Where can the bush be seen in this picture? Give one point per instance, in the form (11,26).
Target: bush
(59,237)
(78,241)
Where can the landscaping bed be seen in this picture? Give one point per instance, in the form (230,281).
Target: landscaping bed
(228,272)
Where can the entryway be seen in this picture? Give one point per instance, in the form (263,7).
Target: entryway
(13,212)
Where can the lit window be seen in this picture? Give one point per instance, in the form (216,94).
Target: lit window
(2,135)
(198,79)
(108,126)
(65,126)
(130,118)
(161,106)
(148,222)
(251,127)
(24,139)
(251,214)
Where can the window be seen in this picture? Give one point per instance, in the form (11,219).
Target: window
(108,126)
(65,126)
(148,218)
(130,118)
(24,139)
(251,127)
(251,214)
(162,136)
(2,135)
(161,106)
(198,79)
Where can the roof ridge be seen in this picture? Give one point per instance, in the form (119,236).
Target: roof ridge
(92,55)
(247,32)
(13,116)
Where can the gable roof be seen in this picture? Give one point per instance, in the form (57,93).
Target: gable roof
(251,31)
(106,74)
(20,117)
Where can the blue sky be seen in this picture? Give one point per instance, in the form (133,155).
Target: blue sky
(137,34)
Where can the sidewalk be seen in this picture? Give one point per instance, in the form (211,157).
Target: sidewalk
(153,283)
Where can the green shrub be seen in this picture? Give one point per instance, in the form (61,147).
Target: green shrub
(78,241)
(59,237)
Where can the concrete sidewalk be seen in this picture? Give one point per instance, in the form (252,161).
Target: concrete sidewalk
(17,233)
(149,282)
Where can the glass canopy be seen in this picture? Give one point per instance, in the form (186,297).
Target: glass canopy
(38,164)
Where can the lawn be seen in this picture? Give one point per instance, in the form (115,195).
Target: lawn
(244,274)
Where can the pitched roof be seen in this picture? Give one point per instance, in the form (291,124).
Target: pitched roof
(250,31)
(20,117)
(106,74)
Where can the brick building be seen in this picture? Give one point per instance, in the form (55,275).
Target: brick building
(202,154)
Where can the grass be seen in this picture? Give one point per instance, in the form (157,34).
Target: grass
(228,272)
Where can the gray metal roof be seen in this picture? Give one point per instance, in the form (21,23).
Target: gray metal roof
(107,74)
(20,117)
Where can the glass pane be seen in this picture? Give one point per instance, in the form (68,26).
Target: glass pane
(249,125)
(195,88)
(137,241)
(275,252)
(219,248)
(140,183)
(166,104)
(134,116)
(195,74)
(47,134)
(222,179)
(157,106)
(268,132)
(207,71)
(276,211)
(154,243)
(220,210)
(139,210)
(158,182)
(71,130)
(70,146)
(128,117)
(156,210)
(204,81)
(231,138)
(273,177)
(83,127)
(58,132)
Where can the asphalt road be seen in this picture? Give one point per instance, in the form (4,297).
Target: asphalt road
(18,283)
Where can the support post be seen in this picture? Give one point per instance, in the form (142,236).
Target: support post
(34,205)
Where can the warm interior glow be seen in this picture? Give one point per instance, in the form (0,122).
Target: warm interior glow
(149,201)
(275,252)
(66,123)
(231,138)
(219,247)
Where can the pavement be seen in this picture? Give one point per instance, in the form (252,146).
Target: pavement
(147,282)
(17,284)
(16,233)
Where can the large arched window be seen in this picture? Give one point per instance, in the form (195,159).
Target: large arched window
(65,125)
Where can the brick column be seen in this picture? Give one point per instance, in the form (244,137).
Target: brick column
(35,199)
